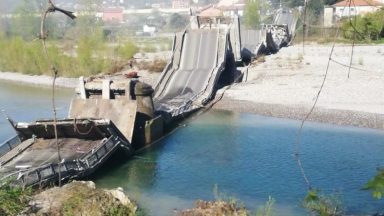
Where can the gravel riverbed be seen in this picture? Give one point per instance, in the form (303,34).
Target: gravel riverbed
(286,84)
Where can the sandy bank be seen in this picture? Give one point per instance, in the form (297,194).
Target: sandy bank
(286,84)
(39,80)
(145,76)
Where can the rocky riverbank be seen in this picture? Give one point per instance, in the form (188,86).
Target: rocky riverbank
(81,198)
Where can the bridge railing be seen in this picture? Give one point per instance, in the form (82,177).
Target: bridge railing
(9,144)
(69,169)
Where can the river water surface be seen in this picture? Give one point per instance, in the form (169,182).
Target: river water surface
(245,156)
(26,103)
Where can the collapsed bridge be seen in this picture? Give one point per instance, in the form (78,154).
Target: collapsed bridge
(120,114)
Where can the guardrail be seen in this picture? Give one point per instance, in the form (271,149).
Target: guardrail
(70,169)
(9,144)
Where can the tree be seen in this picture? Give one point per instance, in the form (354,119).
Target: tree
(26,21)
(329,2)
(177,21)
(367,27)
(296,3)
(252,14)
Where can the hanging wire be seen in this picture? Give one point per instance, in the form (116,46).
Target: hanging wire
(352,67)
(354,34)
(51,8)
(299,134)
(304,23)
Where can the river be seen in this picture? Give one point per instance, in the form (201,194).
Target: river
(244,156)
(25,103)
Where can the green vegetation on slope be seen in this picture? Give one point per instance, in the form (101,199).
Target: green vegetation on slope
(91,57)
(13,199)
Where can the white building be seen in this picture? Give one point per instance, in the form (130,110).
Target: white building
(232,7)
(180,4)
(347,8)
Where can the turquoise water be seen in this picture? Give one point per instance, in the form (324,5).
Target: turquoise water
(249,157)
(26,103)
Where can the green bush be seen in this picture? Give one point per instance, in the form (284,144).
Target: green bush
(127,51)
(376,185)
(324,205)
(13,199)
(368,27)
(17,55)
(92,56)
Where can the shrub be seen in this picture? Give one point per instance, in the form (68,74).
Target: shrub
(320,204)
(13,199)
(19,55)
(367,27)
(376,185)
(127,50)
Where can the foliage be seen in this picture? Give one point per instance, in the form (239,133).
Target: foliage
(177,21)
(149,48)
(156,19)
(264,210)
(127,50)
(294,3)
(13,199)
(18,55)
(329,2)
(252,14)
(267,209)
(376,185)
(81,200)
(317,3)
(367,27)
(322,205)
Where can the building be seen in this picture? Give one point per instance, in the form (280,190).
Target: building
(180,4)
(232,7)
(113,15)
(210,11)
(346,8)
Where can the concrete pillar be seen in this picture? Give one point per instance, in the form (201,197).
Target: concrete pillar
(106,89)
(143,94)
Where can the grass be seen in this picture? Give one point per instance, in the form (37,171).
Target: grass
(82,200)
(267,209)
(13,200)
(73,199)
(361,61)
(237,208)
(92,56)
(324,205)
(322,35)
(156,65)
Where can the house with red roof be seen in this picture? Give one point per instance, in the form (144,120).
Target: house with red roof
(347,8)
(232,7)
(115,14)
